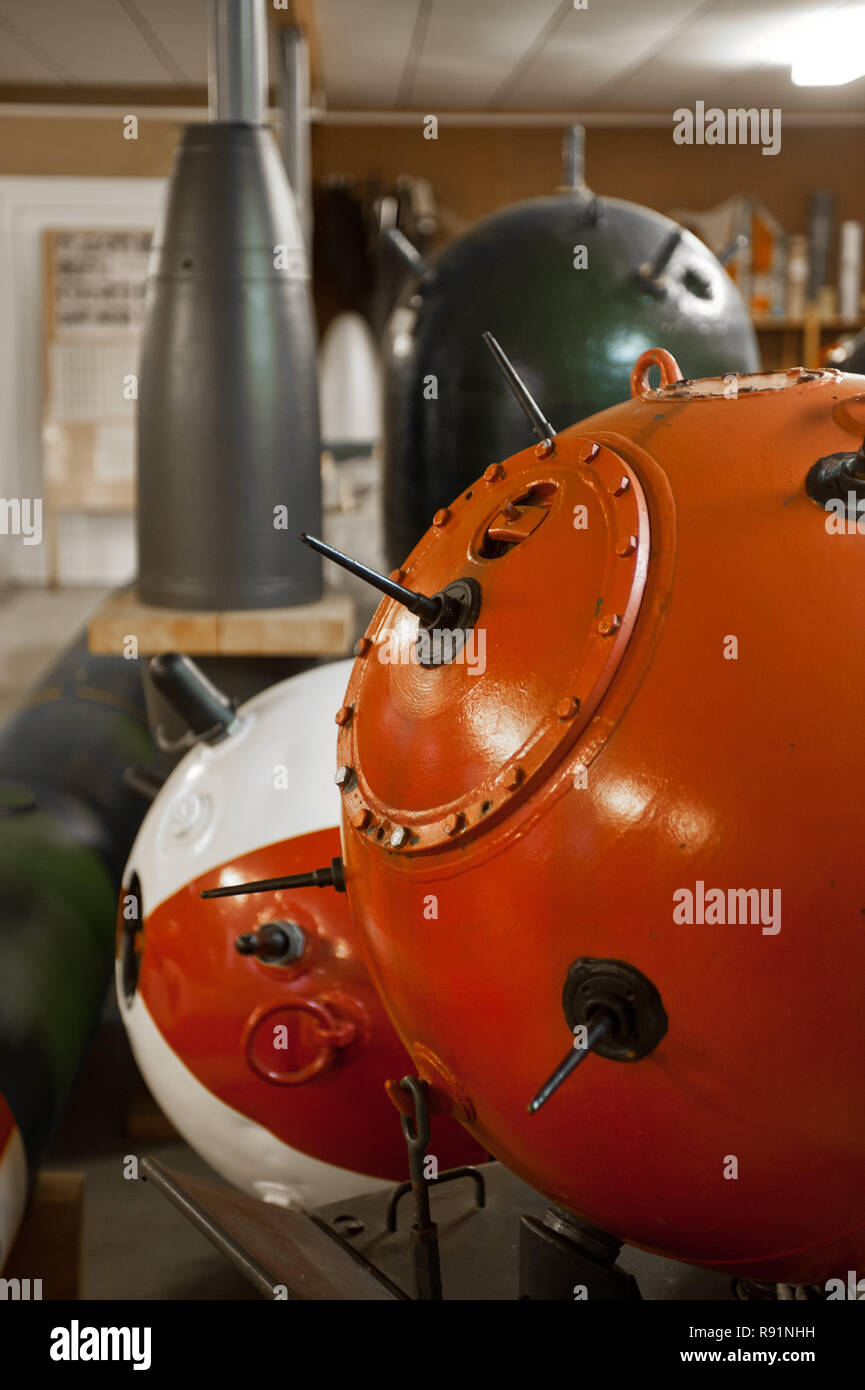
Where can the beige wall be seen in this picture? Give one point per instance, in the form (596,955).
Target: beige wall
(85,145)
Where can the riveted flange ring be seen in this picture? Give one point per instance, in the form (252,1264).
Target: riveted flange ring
(559,552)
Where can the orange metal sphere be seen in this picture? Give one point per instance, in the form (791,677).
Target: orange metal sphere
(653,713)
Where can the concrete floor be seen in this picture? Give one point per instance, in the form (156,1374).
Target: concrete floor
(136,1244)
(35,626)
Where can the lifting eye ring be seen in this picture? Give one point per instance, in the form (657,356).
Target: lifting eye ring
(654,357)
(331,1032)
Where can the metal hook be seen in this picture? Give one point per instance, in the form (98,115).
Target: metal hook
(424,1233)
(416,1131)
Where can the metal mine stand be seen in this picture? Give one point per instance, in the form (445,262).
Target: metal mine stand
(476,1234)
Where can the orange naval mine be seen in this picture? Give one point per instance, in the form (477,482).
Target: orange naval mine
(601,831)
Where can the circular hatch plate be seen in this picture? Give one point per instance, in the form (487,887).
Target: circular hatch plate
(559,546)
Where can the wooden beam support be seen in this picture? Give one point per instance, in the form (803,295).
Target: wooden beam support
(103,94)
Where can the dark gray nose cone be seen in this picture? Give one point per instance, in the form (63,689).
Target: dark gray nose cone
(228,442)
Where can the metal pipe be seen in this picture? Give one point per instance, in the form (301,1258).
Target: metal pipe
(602,1024)
(331,876)
(533,413)
(407,251)
(237,61)
(294,138)
(573,160)
(429,610)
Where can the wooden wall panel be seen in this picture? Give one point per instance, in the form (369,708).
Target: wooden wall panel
(86,146)
(477,170)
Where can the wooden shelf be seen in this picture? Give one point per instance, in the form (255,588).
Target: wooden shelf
(798,342)
(769,323)
(325,628)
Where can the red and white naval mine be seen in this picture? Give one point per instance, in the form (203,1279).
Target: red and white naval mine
(674,662)
(252,1018)
(13,1179)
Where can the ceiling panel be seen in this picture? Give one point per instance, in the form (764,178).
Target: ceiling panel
(724,52)
(95,40)
(435,55)
(468,47)
(23,61)
(741,55)
(181,26)
(588,48)
(672,82)
(615,55)
(364,46)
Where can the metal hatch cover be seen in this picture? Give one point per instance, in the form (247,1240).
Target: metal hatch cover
(557,539)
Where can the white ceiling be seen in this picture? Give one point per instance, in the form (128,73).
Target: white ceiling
(646,55)
(146,42)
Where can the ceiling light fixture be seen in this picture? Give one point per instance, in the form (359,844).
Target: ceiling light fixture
(830,49)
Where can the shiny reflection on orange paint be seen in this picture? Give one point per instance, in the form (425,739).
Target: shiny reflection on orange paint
(624,799)
(691,826)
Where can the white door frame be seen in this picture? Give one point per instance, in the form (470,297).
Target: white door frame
(28,206)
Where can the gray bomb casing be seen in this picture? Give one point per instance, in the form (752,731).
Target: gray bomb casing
(228,411)
(572,334)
